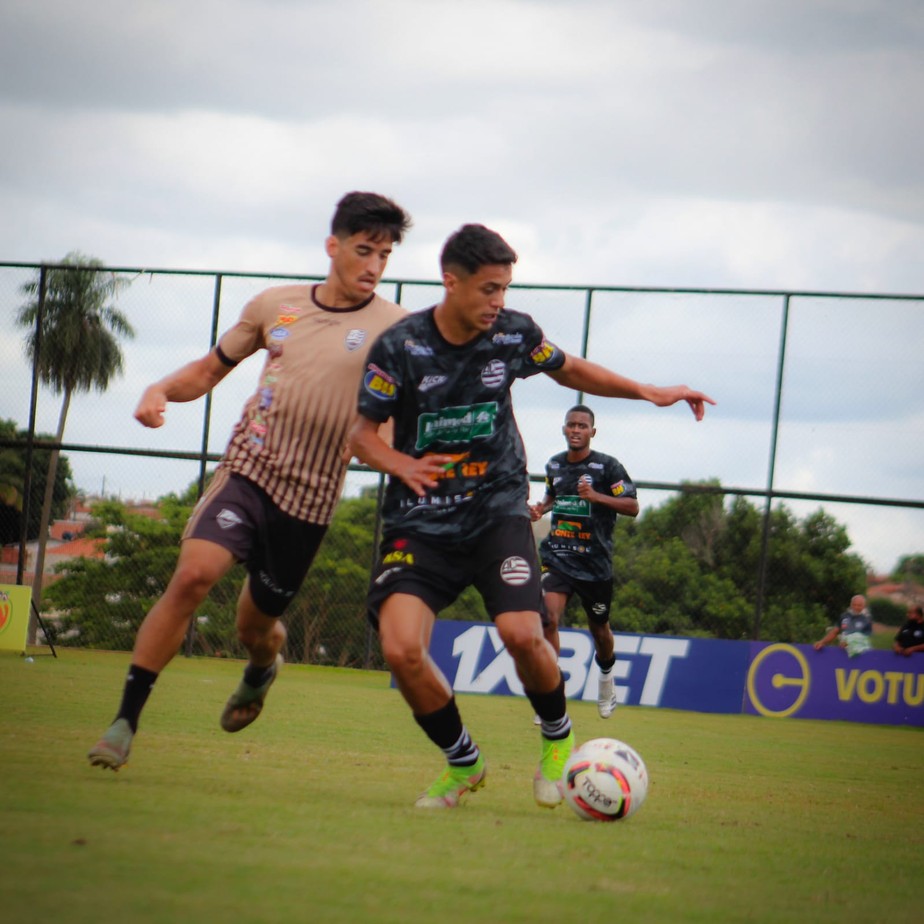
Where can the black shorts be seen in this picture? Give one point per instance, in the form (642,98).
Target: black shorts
(595,596)
(501,562)
(276,549)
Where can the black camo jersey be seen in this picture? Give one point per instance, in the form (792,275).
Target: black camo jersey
(580,539)
(455,400)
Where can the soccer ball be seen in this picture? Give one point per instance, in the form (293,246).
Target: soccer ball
(605,780)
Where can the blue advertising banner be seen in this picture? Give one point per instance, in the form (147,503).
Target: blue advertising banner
(703,675)
(795,680)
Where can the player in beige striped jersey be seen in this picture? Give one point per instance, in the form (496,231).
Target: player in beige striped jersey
(279,480)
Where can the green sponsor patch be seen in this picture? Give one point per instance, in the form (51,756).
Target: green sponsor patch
(570,505)
(456,424)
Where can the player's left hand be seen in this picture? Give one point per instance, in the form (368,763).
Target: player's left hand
(696,399)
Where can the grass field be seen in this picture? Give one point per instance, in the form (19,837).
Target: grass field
(308,815)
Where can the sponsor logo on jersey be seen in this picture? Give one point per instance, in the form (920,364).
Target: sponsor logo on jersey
(492,376)
(595,465)
(515,571)
(571,505)
(293,310)
(417,349)
(227,519)
(279,333)
(542,353)
(463,467)
(355,338)
(379,384)
(398,557)
(286,319)
(456,424)
(431,381)
(506,339)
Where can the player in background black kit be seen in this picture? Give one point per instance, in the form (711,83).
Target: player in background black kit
(455,511)
(585,490)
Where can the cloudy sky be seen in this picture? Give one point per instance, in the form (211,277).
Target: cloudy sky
(752,144)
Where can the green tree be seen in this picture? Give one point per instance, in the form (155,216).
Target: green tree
(100,602)
(910,568)
(13,478)
(690,567)
(75,348)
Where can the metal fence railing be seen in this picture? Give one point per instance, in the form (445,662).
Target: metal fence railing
(819,406)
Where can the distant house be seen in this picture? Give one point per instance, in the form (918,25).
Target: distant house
(904,593)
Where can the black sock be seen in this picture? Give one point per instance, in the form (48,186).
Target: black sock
(552,709)
(138,686)
(605,668)
(256,676)
(443,727)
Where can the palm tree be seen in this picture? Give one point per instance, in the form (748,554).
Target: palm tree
(78,350)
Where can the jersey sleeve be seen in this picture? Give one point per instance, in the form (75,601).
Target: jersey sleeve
(620,484)
(379,389)
(539,353)
(245,337)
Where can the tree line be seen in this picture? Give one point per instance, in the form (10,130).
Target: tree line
(687,567)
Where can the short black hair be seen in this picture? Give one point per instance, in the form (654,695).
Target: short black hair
(581,409)
(366,211)
(474,246)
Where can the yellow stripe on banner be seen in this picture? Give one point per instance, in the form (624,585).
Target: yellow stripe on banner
(15,601)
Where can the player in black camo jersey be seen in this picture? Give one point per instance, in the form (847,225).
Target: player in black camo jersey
(585,490)
(457,501)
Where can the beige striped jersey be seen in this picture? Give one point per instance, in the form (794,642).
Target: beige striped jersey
(292,434)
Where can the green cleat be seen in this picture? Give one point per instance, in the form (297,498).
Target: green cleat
(547,783)
(246,702)
(452,785)
(111,751)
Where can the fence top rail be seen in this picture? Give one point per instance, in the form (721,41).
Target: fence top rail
(555,287)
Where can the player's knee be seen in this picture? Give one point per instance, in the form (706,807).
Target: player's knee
(402,657)
(192,580)
(522,640)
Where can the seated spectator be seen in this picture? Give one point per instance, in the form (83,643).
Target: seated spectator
(910,637)
(854,631)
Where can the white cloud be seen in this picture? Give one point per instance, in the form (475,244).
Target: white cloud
(764,145)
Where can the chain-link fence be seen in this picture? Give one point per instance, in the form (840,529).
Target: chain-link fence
(758,522)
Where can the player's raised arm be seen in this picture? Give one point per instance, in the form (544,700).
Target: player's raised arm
(583,375)
(186,384)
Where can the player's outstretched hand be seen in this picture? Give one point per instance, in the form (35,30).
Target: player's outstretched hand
(674,393)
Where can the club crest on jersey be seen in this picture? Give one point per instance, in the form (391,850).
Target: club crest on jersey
(355,338)
(492,376)
(378,383)
(515,571)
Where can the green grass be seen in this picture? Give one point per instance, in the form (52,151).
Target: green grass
(308,815)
